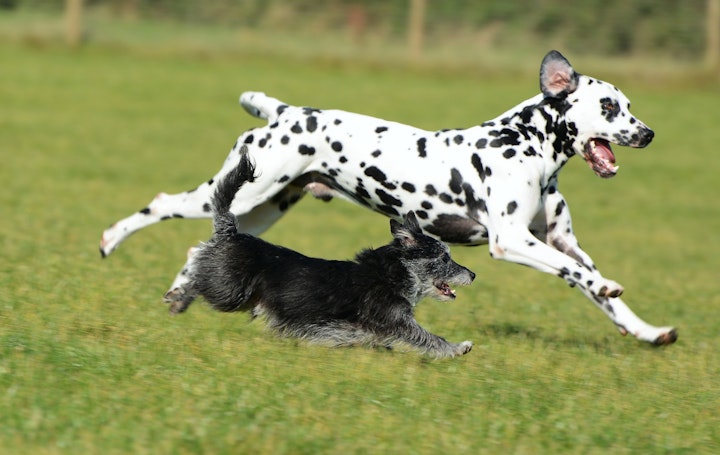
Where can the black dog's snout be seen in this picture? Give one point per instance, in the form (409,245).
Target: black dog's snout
(472,275)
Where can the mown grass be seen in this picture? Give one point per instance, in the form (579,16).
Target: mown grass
(90,362)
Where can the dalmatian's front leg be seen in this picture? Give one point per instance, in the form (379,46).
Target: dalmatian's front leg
(524,248)
(512,240)
(559,234)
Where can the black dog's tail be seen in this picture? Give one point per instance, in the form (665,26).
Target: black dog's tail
(223,219)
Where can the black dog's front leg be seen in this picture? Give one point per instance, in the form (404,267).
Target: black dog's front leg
(412,333)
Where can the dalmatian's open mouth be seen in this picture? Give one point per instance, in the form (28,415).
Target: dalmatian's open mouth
(599,156)
(444,290)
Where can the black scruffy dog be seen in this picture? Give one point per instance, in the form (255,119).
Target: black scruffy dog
(367,301)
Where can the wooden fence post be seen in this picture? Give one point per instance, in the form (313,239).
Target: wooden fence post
(416,28)
(712,46)
(73,22)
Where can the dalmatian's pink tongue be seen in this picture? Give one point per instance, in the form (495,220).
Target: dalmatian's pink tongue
(600,158)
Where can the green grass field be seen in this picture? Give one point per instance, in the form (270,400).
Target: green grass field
(90,361)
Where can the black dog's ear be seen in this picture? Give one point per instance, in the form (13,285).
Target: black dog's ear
(407,231)
(411,223)
(557,76)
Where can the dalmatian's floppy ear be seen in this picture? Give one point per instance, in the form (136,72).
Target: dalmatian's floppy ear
(557,76)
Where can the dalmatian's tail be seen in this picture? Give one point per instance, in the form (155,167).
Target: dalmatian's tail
(223,219)
(262,106)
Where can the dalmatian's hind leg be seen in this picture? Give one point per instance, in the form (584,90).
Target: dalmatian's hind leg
(190,204)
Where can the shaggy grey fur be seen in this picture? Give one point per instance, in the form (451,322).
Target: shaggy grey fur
(368,301)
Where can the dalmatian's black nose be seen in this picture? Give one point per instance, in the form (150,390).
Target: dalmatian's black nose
(646,136)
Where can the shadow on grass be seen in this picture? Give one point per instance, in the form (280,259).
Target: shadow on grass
(511,331)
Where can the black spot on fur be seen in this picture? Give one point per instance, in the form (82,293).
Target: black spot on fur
(481,143)
(387,198)
(560,207)
(311,123)
(206,207)
(446,198)
(453,228)
(482,171)
(456,181)
(482,205)
(376,153)
(337,146)
(284,140)
(458,139)
(504,137)
(388,210)
(296,128)
(421,147)
(509,153)
(376,174)
(305,150)
(310,110)
(284,179)
(380,129)
(249,139)
(430,190)
(145,211)
(564,272)
(511,207)
(362,192)
(409,187)
(426,205)
(280,109)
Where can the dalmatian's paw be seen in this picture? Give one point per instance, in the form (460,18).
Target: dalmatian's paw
(607,289)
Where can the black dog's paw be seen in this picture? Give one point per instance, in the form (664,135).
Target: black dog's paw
(464,347)
(178,300)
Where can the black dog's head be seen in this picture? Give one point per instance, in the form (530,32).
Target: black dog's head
(428,261)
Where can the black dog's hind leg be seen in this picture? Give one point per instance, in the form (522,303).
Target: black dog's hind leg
(180,298)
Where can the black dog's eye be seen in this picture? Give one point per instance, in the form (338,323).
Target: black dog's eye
(445,258)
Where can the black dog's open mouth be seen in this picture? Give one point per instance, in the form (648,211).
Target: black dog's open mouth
(445,290)
(599,156)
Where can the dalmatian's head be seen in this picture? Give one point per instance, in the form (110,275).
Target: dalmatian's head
(597,114)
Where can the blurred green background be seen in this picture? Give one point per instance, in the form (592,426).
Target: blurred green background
(101,112)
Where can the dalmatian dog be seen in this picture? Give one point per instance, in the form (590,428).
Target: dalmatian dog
(495,184)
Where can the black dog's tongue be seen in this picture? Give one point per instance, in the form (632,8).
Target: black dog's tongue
(445,289)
